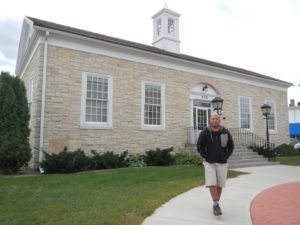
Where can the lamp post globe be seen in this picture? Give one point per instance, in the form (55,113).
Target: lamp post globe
(266,109)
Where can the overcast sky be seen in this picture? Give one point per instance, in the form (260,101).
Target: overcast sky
(258,35)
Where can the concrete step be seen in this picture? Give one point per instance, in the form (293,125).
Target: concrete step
(235,150)
(241,165)
(244,154)
(250,160)
(238,157)
(240,146)
(242,150)
(241,157)
(194,146)
(244,157)
(254,157)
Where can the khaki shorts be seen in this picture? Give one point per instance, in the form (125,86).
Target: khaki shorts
(215,174)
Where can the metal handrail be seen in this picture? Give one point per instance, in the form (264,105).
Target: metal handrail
(248,138)
(239,135)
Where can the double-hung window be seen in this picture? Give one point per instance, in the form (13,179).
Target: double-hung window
(245,112)
(153,105)
(96,105)
(272,116)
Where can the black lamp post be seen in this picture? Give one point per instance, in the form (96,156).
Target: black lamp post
(266,109)
(217,103)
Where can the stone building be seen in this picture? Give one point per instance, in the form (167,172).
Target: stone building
(92,91)
(294,121)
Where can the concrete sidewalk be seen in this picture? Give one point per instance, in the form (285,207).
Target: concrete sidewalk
(195,206)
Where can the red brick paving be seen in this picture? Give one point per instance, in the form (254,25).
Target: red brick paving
(279,205)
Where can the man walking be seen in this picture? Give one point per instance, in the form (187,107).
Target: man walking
(215,145)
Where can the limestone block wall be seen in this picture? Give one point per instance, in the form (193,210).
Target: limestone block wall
(34,72)
(63,104)
(230,91)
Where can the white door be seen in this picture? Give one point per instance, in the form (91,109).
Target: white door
(201,117)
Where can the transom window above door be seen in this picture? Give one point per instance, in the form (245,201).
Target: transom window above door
(200,103)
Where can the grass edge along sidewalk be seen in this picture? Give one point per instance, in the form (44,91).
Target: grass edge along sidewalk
(106,197)
(289,160)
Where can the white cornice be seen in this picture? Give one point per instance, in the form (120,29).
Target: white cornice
(29,53)
(166,10)
(166,37)
(91,45)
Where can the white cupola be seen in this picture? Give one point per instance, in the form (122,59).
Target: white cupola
(166,30)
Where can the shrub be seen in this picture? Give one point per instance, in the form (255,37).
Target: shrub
(66,162)
(70,162)
(137,160)
(286,150)
(259,149)
(108,160)
(187,159)
(159,157)
(15,149)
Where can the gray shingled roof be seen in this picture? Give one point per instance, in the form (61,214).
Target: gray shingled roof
(72,30)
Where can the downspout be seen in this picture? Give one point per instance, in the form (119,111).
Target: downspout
(42,120)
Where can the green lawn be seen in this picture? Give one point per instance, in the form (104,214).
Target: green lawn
(289,160)
(107,197)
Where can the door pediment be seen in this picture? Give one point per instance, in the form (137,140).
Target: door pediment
(203,92)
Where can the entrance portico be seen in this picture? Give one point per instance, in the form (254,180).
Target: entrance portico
(200,109)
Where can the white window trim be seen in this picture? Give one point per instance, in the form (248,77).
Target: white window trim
(273,131)
(96,125)
(153,127)
(239,110)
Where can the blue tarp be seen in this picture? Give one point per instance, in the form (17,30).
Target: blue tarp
(294,128)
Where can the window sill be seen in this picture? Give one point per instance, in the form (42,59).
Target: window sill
(95,127)
(153,128)
(246,129)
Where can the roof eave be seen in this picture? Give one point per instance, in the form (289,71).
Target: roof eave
(155,50)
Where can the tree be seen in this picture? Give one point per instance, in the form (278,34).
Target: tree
(14,124)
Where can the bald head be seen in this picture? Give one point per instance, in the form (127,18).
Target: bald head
(215,120)
(214,113)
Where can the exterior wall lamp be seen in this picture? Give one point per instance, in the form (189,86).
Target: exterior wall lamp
(217,103)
